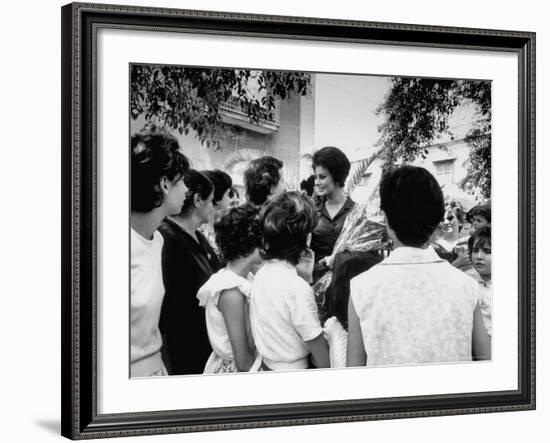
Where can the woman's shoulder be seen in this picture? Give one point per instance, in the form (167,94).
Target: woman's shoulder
(166,228)
(221,281)
(171,232)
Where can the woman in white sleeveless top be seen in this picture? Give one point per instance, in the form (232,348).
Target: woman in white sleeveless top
(413,307)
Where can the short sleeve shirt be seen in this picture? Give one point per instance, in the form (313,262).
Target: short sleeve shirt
(283,313)
(328,229)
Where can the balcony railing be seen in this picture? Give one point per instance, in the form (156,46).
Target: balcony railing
(233,113)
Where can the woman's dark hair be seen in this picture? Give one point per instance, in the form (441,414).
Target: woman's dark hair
(154,154)
(260,176)
(239,232)
(481,237)
(197,183)
(286,221)
(483,210)
(413,203)
(221,181)
(346,266)
(335,162)
(308,185)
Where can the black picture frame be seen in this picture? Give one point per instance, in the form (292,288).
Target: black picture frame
(79,211)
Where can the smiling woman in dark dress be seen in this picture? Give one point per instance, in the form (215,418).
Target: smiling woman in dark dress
(331,168)
(188,261)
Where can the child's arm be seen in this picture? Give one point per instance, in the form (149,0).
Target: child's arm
(356,355)
(231,305)
(319,351)
(481,340)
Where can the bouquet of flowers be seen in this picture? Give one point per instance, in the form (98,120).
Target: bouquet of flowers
(361,232)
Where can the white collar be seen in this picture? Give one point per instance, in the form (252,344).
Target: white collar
(281,263)
(410,255)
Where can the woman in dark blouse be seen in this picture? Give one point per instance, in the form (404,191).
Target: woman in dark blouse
(188,261)
(331,168)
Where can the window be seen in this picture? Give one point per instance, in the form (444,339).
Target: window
(444,172)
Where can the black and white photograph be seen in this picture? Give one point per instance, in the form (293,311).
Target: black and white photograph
(277,220)
(288,220)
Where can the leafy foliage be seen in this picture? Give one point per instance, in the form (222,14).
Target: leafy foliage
(417,110)
(479,169)
(360,168)
(185,99)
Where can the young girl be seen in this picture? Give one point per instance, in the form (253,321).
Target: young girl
(283,313)
(188,261)
(225,295)
(479,246)
(158,189)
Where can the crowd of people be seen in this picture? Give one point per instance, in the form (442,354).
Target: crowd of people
(299,279)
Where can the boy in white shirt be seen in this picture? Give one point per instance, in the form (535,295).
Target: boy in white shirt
(284,318)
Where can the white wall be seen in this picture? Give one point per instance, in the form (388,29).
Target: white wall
(30,222)
(345,112)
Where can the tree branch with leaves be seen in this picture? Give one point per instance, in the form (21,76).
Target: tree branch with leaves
(188,99)
(417,111)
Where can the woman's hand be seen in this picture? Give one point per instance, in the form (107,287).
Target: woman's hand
(327,261)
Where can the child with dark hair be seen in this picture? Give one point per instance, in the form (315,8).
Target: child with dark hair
(413,307)
(284,317)
(225,296)
(480,215)
(188,261)
(347,265)
(479,247)
(263,179)
(157,190)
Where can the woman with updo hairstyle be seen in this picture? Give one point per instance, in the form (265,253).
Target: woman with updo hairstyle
(263,179)
(331,168)
(188,261)
(283,313)
(158,169)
